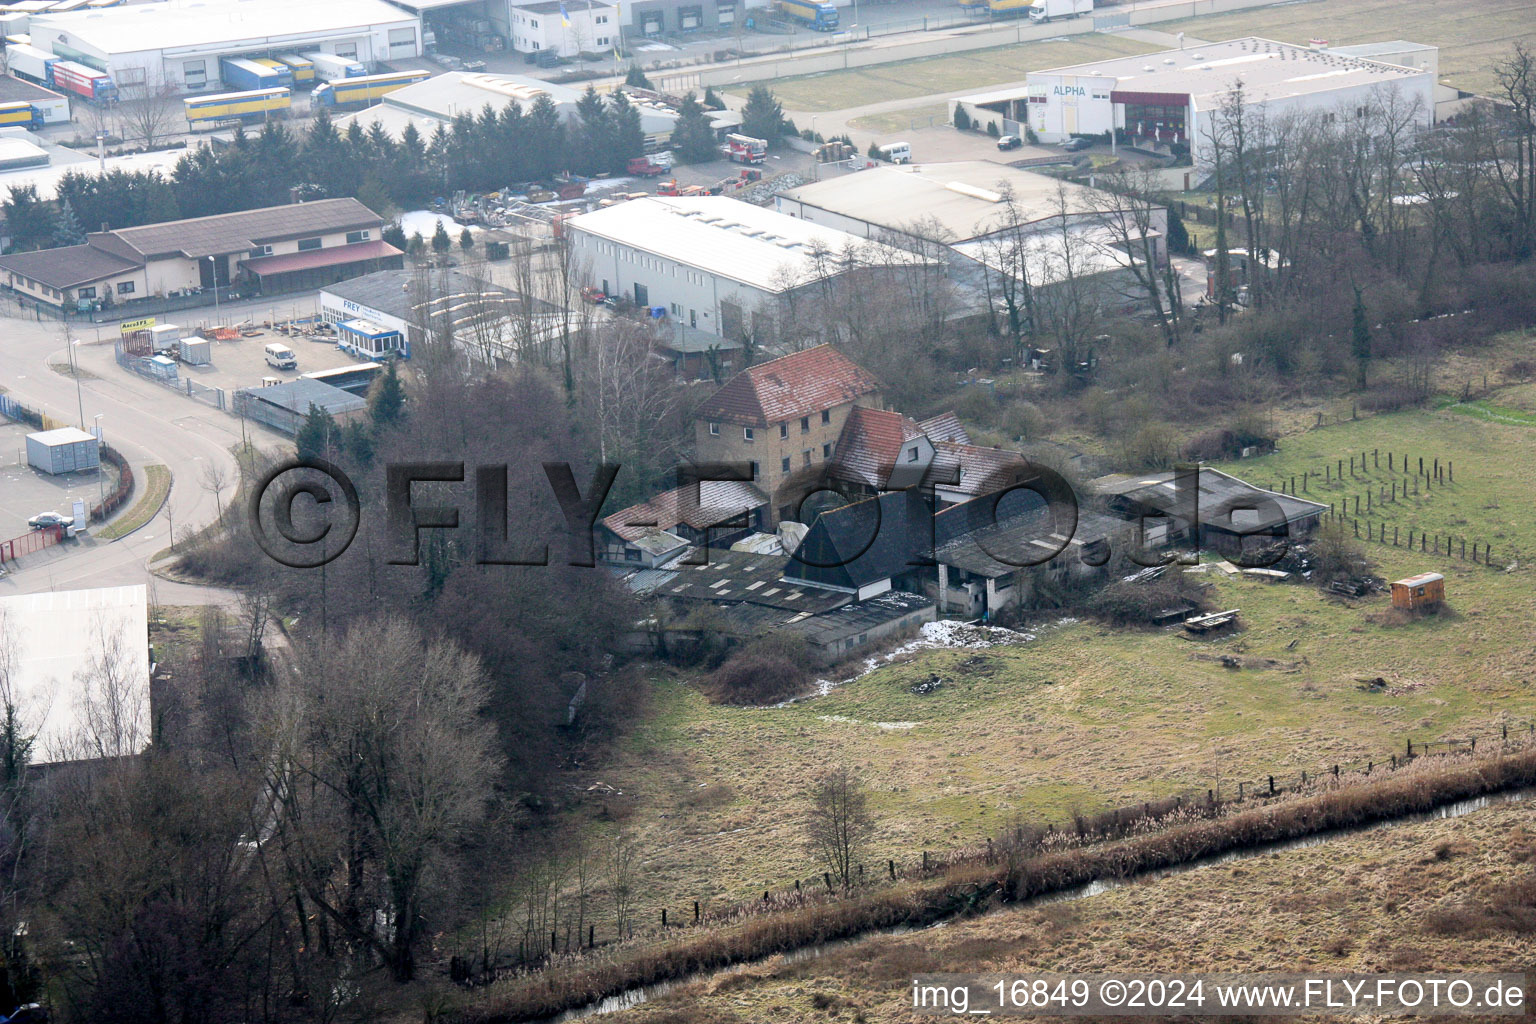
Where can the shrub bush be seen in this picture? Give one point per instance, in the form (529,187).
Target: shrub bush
(770,668)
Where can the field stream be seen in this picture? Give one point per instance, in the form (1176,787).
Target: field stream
(641,994)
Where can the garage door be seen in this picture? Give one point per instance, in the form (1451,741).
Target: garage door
(402,42)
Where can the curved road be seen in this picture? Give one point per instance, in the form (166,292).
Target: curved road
(148,424)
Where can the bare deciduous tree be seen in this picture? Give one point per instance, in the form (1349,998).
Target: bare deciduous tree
(839,824)
(382,764)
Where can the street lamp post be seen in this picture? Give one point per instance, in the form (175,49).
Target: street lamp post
(101,485)
(74,371)
(213,264)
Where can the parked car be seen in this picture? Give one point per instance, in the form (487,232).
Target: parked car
(44,520)
(1009,142)
(1073,145)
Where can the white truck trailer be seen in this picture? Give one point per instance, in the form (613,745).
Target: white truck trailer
(1048,10)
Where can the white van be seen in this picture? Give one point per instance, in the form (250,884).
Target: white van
(281,357)
(897,152)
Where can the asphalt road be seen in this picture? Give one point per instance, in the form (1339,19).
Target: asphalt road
(144,421)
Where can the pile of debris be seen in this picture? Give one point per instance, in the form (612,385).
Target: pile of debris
(929,685)
(763,192)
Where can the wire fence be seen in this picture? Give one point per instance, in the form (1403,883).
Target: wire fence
(533,950)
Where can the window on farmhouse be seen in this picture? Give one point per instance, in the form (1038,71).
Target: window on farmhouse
(309,244)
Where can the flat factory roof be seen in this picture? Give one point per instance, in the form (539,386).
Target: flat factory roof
(719,235)
(188,23)
(58,641)
(965,197)
(457,92)
(1269,70)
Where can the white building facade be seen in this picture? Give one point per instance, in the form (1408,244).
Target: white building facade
(1165,101)
(176,45)
(581,27)
(711,262)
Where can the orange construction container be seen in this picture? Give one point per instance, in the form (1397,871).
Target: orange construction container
(1421,591)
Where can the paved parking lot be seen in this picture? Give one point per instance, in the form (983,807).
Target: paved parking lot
(24,491)
(242,364)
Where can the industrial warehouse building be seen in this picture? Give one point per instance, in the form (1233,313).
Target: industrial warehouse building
(1165,101)
(713,262)
(436,102)
(983,211)
(178,43)
(276,248)
(57,642)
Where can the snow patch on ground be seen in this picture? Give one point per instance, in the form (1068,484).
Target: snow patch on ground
(425,221)
(945,633)
(887,726)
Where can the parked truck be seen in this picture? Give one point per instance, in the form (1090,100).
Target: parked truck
(744,149)
(819,16)
(22,113)
(1047,10)
(999,8)
(331,68)
(83,81)
(245,75)
(645,167)
(31,63)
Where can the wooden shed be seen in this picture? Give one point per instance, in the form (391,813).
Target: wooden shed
(1421,591)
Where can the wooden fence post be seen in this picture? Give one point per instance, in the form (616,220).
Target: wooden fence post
(925,860)
(1410,748)
(663,917)
(1335,772)
(826,876)
(1240,792)
(890,866)
(695,911)
(1271,785)
(592,934)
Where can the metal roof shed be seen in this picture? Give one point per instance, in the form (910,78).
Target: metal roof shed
(284,407)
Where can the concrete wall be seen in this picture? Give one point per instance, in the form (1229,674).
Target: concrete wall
(863,54)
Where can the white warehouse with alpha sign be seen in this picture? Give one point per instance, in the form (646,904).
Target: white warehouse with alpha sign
(1165,101)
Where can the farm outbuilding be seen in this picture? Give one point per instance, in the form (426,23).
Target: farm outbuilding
(65,450)
(1425,590)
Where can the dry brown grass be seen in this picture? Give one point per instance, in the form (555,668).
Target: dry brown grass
(972,884)
(1355,903)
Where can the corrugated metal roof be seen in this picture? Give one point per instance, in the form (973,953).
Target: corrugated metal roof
(332,257)
(298,395)
(725,237)
(964,196)
(228,233)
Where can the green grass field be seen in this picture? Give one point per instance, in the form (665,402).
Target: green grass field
(977,69)
(1471,36)
(902,120)
(1085,716)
